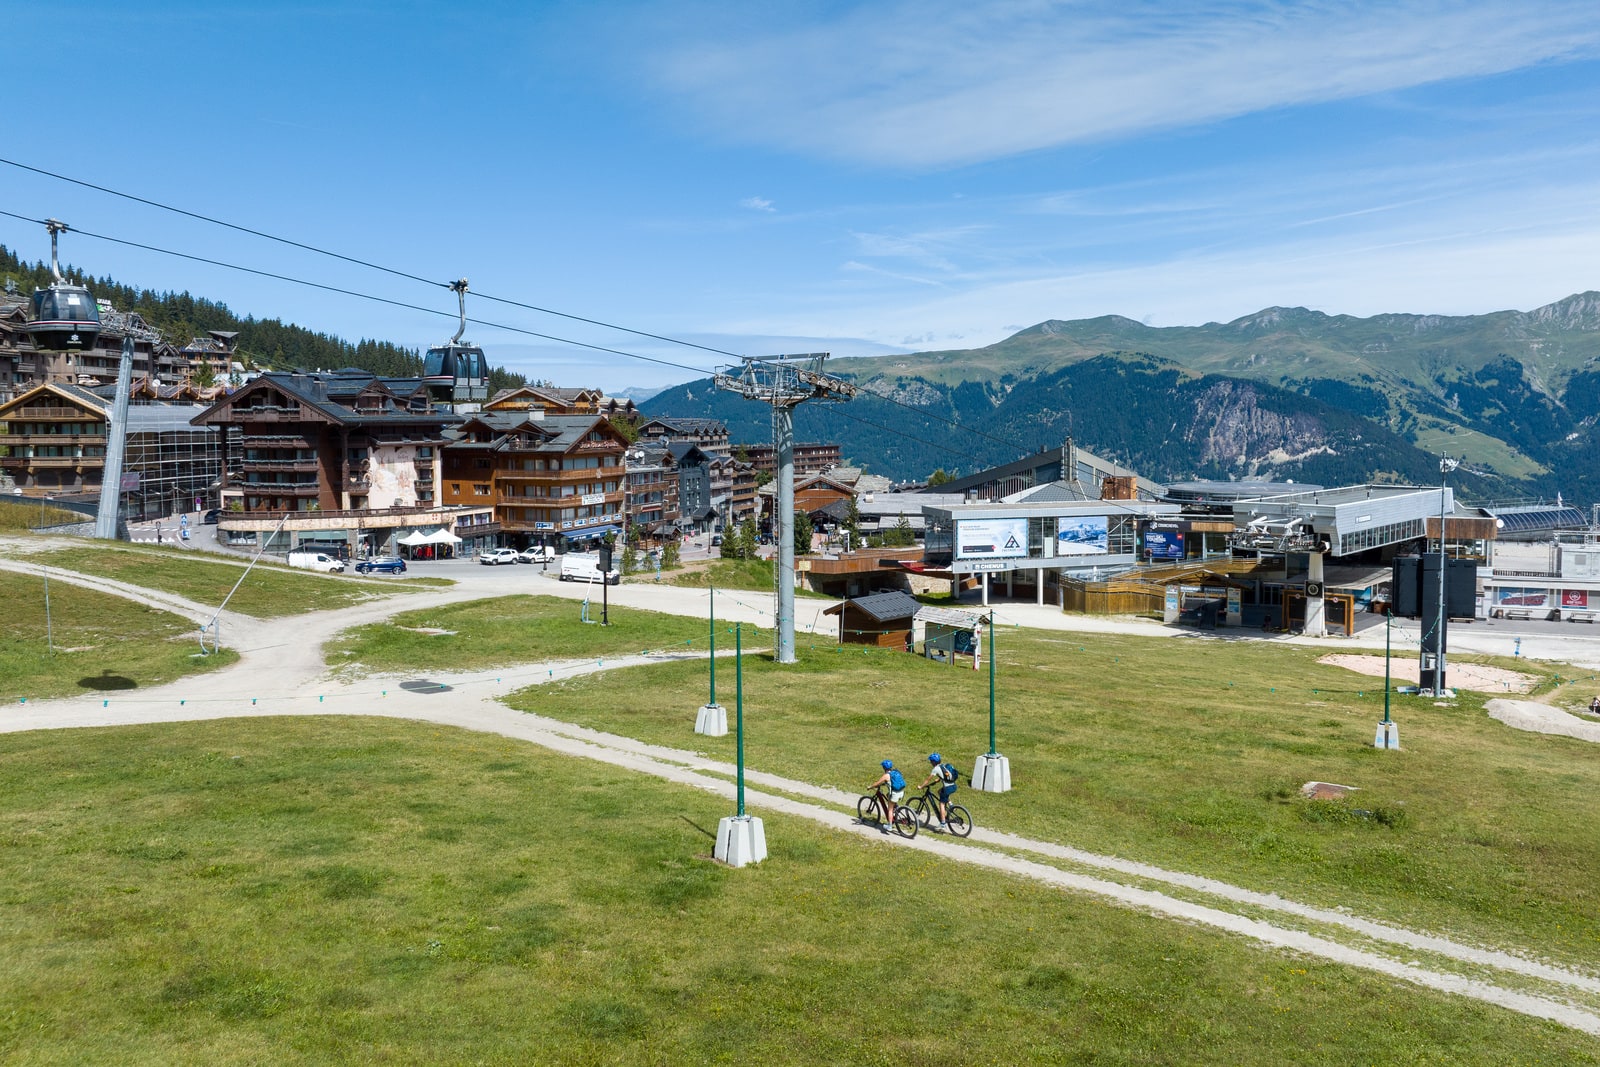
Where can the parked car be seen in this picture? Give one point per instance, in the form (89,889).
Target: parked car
(381,565)
(537,554)
(210,517)
(496,556)
(716,539)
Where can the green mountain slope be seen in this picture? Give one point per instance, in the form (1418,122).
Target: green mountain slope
(1286,392)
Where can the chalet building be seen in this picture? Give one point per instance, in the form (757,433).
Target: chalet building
(709,435)
(55,443)
(651,499)
(811,457)
(337,441)
(742,501)
(210,356)
(697,506)
(553,479)
(551,400)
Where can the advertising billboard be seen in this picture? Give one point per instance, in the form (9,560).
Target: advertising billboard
(1163,544)
(1081,535)
(1575,598)
(991,538)
(1522,598)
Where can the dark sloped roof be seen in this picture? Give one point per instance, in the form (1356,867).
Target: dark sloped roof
(883,607)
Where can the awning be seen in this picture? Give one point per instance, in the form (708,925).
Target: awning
(441,536)
(588,535)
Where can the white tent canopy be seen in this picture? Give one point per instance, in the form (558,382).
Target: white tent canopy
(440,536)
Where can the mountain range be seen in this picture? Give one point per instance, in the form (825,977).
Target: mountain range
(1282,393)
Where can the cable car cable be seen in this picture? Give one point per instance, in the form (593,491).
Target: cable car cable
(953,423)
(370,296)
(357,261)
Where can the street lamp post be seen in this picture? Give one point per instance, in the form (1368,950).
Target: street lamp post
(712,719)
(991,772)
(1388,735)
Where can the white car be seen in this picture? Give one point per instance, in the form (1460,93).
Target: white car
(537,554)
(496,556)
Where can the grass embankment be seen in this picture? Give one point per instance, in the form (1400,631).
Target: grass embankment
(22,517)
(748,574)
(1187,754)
(310,891)
(268,592)
(103,643)
(507,630)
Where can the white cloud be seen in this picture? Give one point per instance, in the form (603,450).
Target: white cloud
(928,84)
(756,203)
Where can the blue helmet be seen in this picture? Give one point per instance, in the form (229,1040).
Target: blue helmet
(888,764)
(934,758)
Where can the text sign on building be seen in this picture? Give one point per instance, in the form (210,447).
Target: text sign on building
(991,538)
(592,498)
(1081,535)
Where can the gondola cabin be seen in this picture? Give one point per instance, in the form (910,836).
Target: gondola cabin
(64,318)
(456,374)
(64,315)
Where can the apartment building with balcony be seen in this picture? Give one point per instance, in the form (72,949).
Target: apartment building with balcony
(53,441)
(553,479)
(331,441)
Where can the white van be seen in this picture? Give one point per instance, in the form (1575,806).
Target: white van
(585,567)
(312,560)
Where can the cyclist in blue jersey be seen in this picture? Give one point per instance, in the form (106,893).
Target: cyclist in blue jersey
(896,781)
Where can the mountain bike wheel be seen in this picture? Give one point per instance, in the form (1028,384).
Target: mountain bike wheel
(920,808)
(867,810)
(905,822)
(960,821)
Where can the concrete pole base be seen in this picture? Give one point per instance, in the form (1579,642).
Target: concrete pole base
(712,720)
(991,773)
(740,841)
(1388,735)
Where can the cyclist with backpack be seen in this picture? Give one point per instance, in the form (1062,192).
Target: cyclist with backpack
(896,782)
(947,776)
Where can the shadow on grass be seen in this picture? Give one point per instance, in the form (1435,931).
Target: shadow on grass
(105,681)
(709,833)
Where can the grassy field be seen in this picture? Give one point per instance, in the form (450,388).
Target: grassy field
(1188,754)
(102,643)
(270,591)
(21,517)
(362,891)
(506,630)
(749,574)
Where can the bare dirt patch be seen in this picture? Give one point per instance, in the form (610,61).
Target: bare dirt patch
(1543,719)
(1474,676)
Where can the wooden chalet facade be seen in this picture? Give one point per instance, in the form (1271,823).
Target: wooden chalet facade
(553,479)
(340,441)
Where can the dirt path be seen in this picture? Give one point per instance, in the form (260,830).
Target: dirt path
(281,673)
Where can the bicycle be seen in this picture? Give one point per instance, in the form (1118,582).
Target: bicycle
(874,807)
(926,808)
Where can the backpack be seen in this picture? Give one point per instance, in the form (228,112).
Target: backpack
(948,772)
(897,781)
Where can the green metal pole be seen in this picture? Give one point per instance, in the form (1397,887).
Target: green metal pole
(738,708)
(992,749)
(713,700)
(1388,618)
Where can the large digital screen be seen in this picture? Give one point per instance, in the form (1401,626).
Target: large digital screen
(1081,535)
(991,538)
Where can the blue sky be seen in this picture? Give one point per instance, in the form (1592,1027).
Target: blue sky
(861,178)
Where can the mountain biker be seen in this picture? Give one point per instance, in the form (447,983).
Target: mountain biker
(941,773)
(897,789)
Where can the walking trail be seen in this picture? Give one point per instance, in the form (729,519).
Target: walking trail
(281,672)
